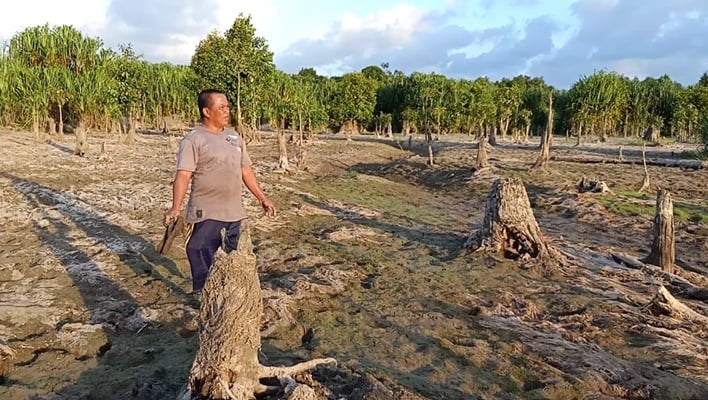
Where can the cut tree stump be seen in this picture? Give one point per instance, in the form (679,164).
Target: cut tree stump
(547,139)
(482,158)
(7,356)
(509,225)
(431,159)
(226,365)
(663,248)
(81,141)
(592,185)
(283,163)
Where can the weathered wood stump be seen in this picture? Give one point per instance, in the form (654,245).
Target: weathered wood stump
(81,141)
(592,185)
(482,158)
(7,356)
(663,249)
(547,139)
(509,225)
(302,164)
(226,365)
(283,163)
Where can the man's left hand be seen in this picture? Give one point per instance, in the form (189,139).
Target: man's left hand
(268,207)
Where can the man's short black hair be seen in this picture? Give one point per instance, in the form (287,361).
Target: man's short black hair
(204,99)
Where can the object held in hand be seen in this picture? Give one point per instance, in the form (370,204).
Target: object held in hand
(173,227)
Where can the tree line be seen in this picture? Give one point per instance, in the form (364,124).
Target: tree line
(51,76)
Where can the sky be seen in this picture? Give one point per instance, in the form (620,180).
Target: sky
(559,40)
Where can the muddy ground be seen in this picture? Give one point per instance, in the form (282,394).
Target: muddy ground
(367,251)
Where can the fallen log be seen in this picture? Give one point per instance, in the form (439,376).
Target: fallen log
(664,303)
(656,162)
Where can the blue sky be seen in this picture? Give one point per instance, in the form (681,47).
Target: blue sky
(556,39)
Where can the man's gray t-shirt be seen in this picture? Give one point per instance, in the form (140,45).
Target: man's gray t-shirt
(216,161)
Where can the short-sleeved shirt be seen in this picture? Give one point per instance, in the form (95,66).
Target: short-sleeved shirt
(216,162)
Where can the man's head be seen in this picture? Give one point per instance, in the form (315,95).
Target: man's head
(214,107)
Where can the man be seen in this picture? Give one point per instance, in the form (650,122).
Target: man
(215,159)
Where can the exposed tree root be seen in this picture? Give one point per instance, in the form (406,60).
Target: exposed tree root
(664,303)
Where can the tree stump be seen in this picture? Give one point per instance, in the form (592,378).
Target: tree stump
(103,155)
(482,159)
(302,159)
(7,356)
(226,365)
(81,141)
(283,163)
(663,250)
(509,225)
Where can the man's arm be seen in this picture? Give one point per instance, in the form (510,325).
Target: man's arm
(251,182)
(179,190)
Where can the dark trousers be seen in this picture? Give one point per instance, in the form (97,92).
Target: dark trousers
(203,244)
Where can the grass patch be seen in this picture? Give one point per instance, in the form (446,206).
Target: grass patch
(396,199)
(634,204)
(695,155)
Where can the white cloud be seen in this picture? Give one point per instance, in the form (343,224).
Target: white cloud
(86,15)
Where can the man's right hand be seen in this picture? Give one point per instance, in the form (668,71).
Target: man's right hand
(170,216)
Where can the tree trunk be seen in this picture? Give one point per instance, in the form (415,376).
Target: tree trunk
(389,130)
(282,151)
(132,136)
(81,140)
(493,136)
(226,365)
(509,225)
(302,159)
(646,182)
(546,139)
(61,119)
(663,253)
(482,159)
(431,160)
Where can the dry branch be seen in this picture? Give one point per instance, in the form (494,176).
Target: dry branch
(646,182)
(227,365)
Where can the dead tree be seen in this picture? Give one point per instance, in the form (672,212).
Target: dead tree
(509,225)
(431,159)
(663,249)
(546,140)
(226,365)
(646,182)
(482,159)
(81,141)
(620,157)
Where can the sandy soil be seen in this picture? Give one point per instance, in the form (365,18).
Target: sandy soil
(367,251)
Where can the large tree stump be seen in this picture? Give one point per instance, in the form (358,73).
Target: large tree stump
(509,225)
(81,140)
(663,253)
(482,159)
(226,365)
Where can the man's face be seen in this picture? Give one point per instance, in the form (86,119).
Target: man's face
(219,112)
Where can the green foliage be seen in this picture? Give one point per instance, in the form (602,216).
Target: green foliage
(56,72)
(238,63)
